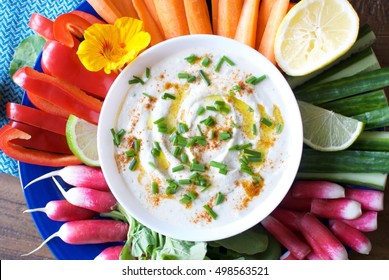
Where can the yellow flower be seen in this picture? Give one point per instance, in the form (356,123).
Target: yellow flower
(110,47)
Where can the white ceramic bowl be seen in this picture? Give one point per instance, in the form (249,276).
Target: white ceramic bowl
(287,149)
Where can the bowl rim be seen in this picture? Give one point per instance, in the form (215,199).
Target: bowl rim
(113,103)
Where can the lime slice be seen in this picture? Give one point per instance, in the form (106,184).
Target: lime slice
(313,34)
(82,140)
(325,130)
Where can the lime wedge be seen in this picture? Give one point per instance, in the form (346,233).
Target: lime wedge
(325,130)
(82,140)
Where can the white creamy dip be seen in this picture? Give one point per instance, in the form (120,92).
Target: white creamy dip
(204,124)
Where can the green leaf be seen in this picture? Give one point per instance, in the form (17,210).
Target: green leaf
(174,249)
(249,242)
(26,53)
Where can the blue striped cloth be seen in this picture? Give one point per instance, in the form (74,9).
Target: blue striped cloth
(14,17)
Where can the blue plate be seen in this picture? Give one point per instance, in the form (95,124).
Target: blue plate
(40,193)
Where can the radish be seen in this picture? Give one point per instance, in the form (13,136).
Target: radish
(369,199)
(288,256)
(89,232)
(317,189)
(81,176)
(286,237)
(289,218)
(350,236)
(110,253)
(63,211)
(340,208)
(320,237)
(91,199)
(367,222)
(298,204)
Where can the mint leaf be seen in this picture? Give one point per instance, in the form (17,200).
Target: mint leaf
(26,53)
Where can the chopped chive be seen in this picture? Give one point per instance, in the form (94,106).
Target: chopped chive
(117,136)
(219,65)
(182,128)
(225,136)
(199,128)
(147,95)
(184,181)
(234,125)
(212,135)
(254,159)
(185,199)
(130,153)
(155,152)
(176,151)
(160,120)
(200,111)
(178,168)
(250,80)
(168,96)
(191,142)
(219,198)
(154,188)
(137,145)
(205,78)
(266,122)
(136,80)
(250,109)
(208,121)
(191,59)
(157,146)
(252,152)
(147,72)
(152,165)
(206,61)
(210,211)
(191,78)
(184,158)
(278,128)
(173,187)
(255,130)
(223,171)
(197,167)
(259,79)
(229,61)
(211,108)
(236,88)
(183,75)
(217,164)
(133,164)
(181,141)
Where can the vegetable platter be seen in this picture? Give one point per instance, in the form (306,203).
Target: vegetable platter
(44,191)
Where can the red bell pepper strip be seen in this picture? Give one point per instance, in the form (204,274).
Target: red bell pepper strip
(88,17)
(20,153)
(42,140)
(36,117)
(62,62)
(47,106)
(60,93)
(68,28)
(42,26)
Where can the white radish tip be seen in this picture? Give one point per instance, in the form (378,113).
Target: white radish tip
(352,210)
(40,246)
(44,176)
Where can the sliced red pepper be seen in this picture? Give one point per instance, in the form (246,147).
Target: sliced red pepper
(42,26)
(47,106)
(20,153)
(60,93)
(41,139)
(62,62)
(87,16)
(68,28)
(36,118)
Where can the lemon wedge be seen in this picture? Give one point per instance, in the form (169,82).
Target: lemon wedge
(313,34)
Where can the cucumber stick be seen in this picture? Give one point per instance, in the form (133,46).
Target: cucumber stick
(374,119)
(345,87)
(372,141)
(371,180)
(366,38)
(346,161)
(359,104)
(363,61)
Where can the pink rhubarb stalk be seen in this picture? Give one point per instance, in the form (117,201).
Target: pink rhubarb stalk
(350,236)
(317,189)
(286,237)
(340,208)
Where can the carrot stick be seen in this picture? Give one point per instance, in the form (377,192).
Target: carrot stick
(263,17)
(171,13)
(106,9)
(153,12)
(277,14)
(215,12)
(247,26)
(148,21)
(126,8)
(197,14)
(228,17)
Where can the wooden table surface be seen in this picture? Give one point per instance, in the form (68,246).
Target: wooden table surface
(19,235)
